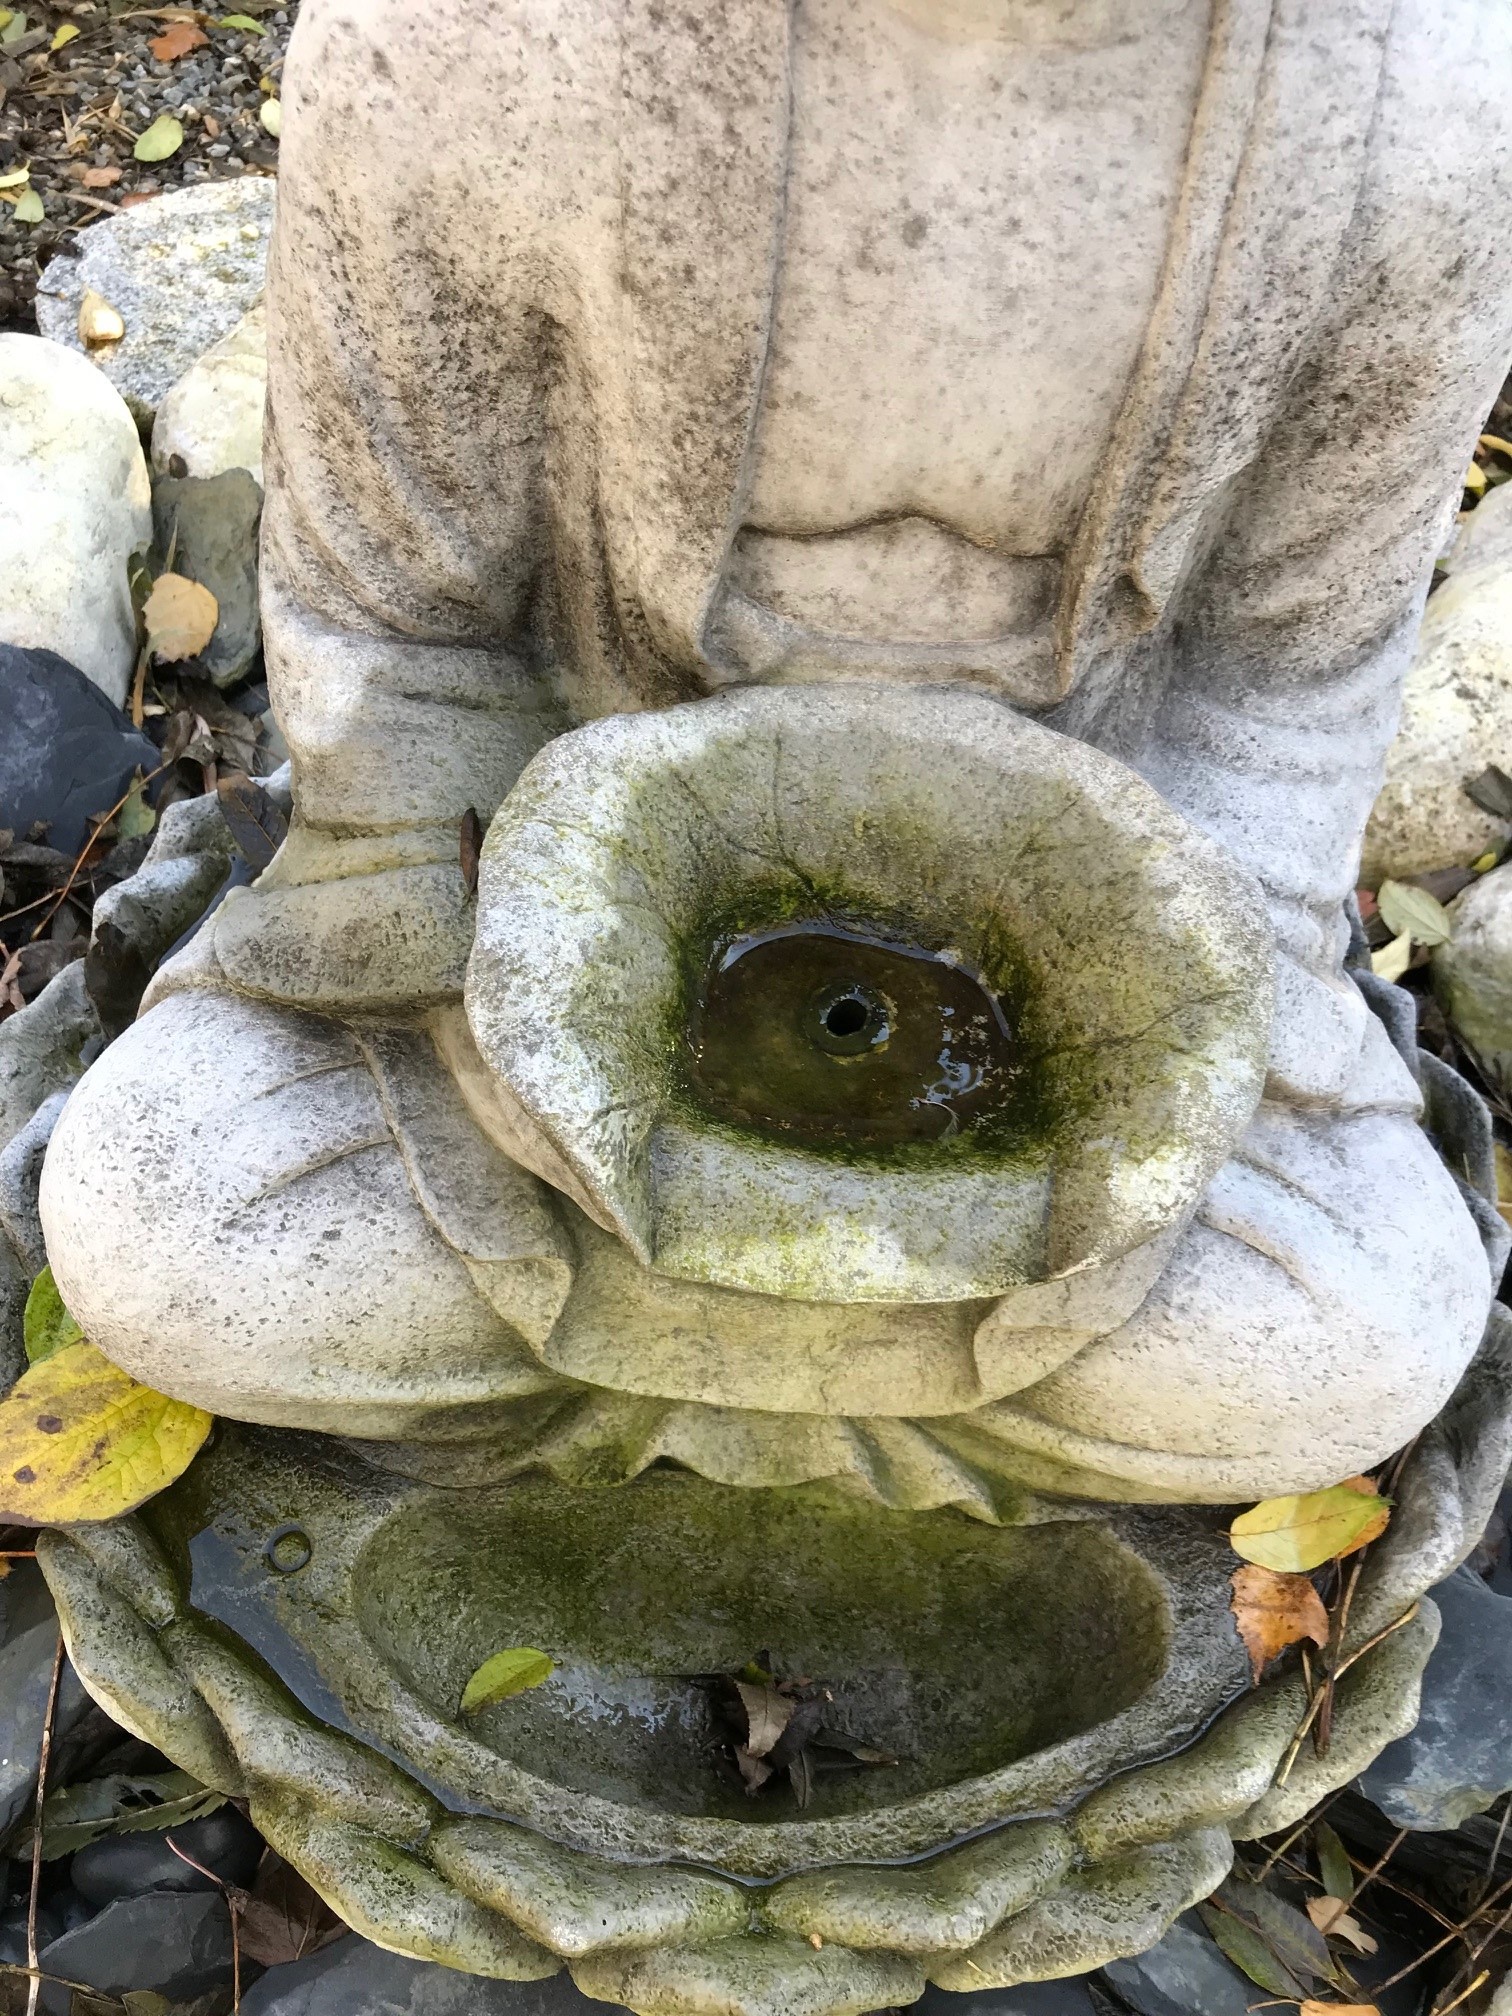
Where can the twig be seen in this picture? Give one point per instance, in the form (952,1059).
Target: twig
(1310,1717)
(231,1913)
(1300,1829)
(43,1756)
(1371,1874)
(1460,1932)
(1465,1993)
(1323,1733)
(1496,1847)
(99,826)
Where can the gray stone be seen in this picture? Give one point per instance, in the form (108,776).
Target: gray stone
(1458,1760)
(1076,1995)
(1472,973)
(73,508)
(181,271)
(355,1978)
(20,1175)
(41,1047)
(1183,1974)
(210,523)
(66,749)
(25,1674)
(213,418)
(172,1944)
(128,1865)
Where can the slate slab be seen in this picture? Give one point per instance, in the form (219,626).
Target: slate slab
(356,1978)
(1077,1995)
(173,1944)
(1458,1760)
(1184,1972)
(25,1671)
(130,1865)
(181,270)
(66,749)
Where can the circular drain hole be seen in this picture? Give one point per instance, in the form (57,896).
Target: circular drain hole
(848,1018)
(288,1550)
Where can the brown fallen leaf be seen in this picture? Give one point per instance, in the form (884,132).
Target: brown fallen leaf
(768,1714)
(100,178)
(1311,2008)
(178,39)
(1273,1611)
(98,321)
(181,616)
(471,848)
(1332,1917)
(281,1918)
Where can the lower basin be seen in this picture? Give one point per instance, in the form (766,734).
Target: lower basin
(1008,1669)
(958,1647)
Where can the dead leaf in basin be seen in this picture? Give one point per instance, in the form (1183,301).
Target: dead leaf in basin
(1273,1611)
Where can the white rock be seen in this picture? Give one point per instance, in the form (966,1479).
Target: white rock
(75,503)
(1472,974)
(1456,712)
(213,417)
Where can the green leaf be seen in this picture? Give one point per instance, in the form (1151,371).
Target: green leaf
(80,1440)
(122,1803)
(508,1672)
(1296,1535)
(1290,1934)
(14,29)
(163,137)
(1333,1862)
(46,1325)
(243,21)
(1249,1953)
(136,816)
(28,208)
(1413,910)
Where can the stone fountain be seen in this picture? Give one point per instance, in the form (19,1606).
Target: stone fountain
(889,1136)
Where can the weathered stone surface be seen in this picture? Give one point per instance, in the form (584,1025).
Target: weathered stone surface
(1074,1996)
(210,525)
(67,750)
(1458,1759)
(355,1978)
(74,506)
(20,1177)
(175,1945)
(1472,973)
(181,270)
(42,1046)
(129,1865)
(212,419)
(1456,712)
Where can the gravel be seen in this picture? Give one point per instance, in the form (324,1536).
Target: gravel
(71,117)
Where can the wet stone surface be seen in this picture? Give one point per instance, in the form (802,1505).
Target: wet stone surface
(822,1036)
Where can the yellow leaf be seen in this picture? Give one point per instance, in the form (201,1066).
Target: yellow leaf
(136,816)
(1311,2008)
(1483,864)
(1273,1611)
(163,137)
(180,616)
(98,321)
(1475,480)
(1392,961)
(28,208)
(1296,1535)
(1331,1916)
(1496,443)
(270,117)
(6,17)
(16,179)
(64,36)
(81,1440)
(508,1672)
(46,1325)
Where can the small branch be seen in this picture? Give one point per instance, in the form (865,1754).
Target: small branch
(1465,1993)
(210,1876)
(35,1984)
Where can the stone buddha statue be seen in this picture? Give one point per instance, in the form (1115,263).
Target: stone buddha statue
(905,520)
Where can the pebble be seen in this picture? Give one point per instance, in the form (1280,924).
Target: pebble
(1456,712)
(182,270)
(171,1943)
(75,503)
(1458,1760)
(68,751)
(130,1865)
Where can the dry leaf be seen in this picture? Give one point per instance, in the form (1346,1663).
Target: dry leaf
(1331,1916)
(17,178)
(1392,960)
(281,1918)
(98,321)
(1296,1535)
(102,178)
(64,36)
(471,849)
(1415,911)
(1338,2009)
(767,1713)
(181,616)
(28,208)
(176,40)
(1273,1611)
(80,1440)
